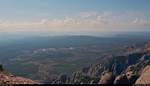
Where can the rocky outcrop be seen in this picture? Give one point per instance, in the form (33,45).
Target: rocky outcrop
(123,69)
(145,76)
(132,77)
(62,79)
(107,78)
(8,79)
(117,70)
(121,79)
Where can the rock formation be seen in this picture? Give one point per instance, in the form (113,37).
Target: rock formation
(123,69)
(9,79)
(145,76)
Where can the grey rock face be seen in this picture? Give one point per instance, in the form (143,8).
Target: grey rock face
(107,78)
(121,79)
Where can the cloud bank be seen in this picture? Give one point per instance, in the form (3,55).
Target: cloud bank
(84,21)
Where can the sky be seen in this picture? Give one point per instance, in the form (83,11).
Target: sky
(74,16)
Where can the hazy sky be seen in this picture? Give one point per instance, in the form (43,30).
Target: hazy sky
(74,15)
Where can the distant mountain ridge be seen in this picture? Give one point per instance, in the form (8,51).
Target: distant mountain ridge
(34,42)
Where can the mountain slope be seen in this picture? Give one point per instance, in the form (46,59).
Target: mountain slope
(123,69)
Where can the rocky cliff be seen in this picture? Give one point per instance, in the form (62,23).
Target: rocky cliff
(145,76)
(124,69)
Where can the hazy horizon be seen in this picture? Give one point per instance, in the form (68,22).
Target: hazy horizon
(69,17)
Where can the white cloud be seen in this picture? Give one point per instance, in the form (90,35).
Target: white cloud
(85,21)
